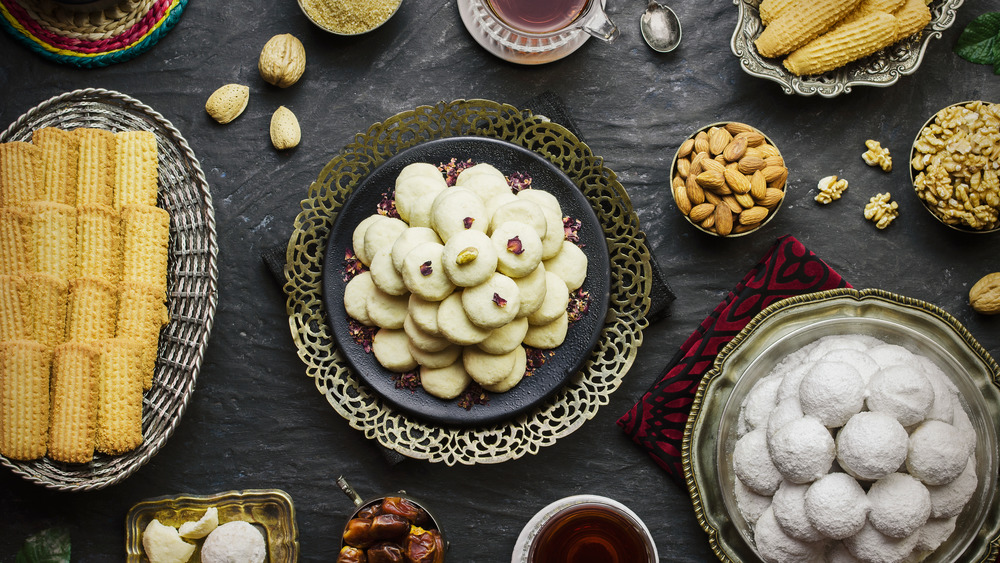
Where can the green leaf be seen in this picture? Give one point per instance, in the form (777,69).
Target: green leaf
(980,41)
(49,546)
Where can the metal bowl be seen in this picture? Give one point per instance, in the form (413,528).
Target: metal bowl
(313,17)
(361,504)
(883,68)
(786,326)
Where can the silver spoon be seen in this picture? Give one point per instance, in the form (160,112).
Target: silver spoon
(660,27)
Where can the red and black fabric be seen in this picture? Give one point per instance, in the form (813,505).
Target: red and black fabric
(657,420)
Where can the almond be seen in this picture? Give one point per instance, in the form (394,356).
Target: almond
(701,212)
(985,295)
(745,201)
(772,173)
(696,161)
(779,182)
(713,165)
(228,102)
(771,198)
(677,181)
(723,220)
(718,139)
(750,164)
(754,138)
(767,150)
(285,132)
(701,142)
(735,127)
(709,222)
(710,179)
(737,182)
(735,149)
(712,198)
(682,201)
(696,195)
(758,185)
(753,215)
(734,205)
(686,147)
(683,166)
(774,160)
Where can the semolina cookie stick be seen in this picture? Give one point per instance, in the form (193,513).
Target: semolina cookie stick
(16,256)
(73,420)
(60,164)
(136,168)
(49,301)
(92,310)
(145,238)
(99,242)
(868,7)
(20,173)
(14,306)
(769,10)
(913,16)
(800,23)
(844,44)
(119,408)
(53,238)
(141,315)
(96,175)
(24,399)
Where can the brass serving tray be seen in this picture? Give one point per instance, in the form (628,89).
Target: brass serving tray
(787,325)
(270,510)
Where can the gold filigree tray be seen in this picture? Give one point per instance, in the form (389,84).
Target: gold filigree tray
(572,405)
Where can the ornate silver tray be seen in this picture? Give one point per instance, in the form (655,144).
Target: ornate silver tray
(881,69)
(192,278)
(573,404)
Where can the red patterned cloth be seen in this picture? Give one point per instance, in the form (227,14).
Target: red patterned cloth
(657,421)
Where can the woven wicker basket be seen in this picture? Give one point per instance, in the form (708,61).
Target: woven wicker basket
(192,278)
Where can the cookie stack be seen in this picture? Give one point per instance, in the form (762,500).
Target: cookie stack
(464,279)
(83,261)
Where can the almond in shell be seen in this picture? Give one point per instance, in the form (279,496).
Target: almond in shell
(228,102)
(285,132)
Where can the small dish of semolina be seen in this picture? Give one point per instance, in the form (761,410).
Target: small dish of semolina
(349,17)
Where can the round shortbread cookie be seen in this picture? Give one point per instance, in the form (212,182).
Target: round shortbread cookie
(542,198)
(555,302)
(384,274)
(498,201)
(487,369)
(422,340)
(486,186)
(457,210)
(414,196)
(423,273)
(455,325)
(392,352)
(358,237)
(439,359)
(381,234)
(469,258)
(532,288)
(356,294)
(555,233)
(514,377)
(518,248)
(445,383)
(407,240)
(521,210)
(492,303)
(424,314)
(548,336)
(570,265)
(386,311)
(505,338)
(418,169)
(481,168)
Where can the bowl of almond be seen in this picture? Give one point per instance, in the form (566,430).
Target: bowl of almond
(728,179)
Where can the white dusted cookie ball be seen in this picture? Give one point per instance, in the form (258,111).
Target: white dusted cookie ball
(832,392)
(775,546)
(872,545)
(802,450)
(750,504)
(752,464)
(234,542)
(900,391)
(949,499)
(938,453)
(836,505)
(789,506)
(760,402)
(871,445)
(898,505)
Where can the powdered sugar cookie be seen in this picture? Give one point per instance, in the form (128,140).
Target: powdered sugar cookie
(492,303)
(385,275)
(514,377)
(445,383)
(487,369)
(457,210)
(548,336)
(439,359)
(418,169)
(455,325)
(532,288)
(356,294)
(570,264)
(521,210)
(386,311)
(422,340)
(898,505)
(937,453)
(518,248)
(358,237)
(414,196)
(407,240)
(423,273)
(506,338)
(555,301)
(392,352)
(380,234)
(469,258)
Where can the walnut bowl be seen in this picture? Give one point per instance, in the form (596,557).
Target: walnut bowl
(728,179)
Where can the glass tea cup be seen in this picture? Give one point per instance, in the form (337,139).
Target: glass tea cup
(534,32)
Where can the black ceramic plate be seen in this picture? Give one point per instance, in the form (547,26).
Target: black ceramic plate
(567,358)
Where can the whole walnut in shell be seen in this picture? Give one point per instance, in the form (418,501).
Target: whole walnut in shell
(282,60)
(985,294)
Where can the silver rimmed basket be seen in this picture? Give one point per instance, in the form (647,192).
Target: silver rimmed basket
(192,278)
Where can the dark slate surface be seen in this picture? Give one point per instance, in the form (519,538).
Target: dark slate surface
(256,420)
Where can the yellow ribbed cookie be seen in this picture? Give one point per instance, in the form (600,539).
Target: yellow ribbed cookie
(844,44)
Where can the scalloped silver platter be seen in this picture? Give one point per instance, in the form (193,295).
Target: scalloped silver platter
(787,325)
(883,68)
(192,278)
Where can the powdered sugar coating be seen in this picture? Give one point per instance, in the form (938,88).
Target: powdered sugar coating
(832,392)
(901,391)
(753,465)
(789,506)
(871,445)
(836,505)
(775,546)
(751,504)
(949,500)
(871,546)
(898,505)
(802,450)
(938,453)
(934,533)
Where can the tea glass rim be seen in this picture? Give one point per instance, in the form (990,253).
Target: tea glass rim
(568,28)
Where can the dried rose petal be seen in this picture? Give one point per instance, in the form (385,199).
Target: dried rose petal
(425,268)
(468,221)
(500,301)
(519,181)
(514,245)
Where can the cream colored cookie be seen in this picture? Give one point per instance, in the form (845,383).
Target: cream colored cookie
(486,186)
(445,383)
(514,377)
(469,258)
(548,336)
(555,302)
(532,288)
(386,311)
(358,237)
(414,196)
(492,303)
(498,201)
(356,294)
(407,240)
(542,198)
(505,338)
(418,169)
(457,210)
(555,234)
(382,234)
(523,211)
(487,369)
(424,314)
(439,359)
(422,340)
(384,274)
(423,273)
(482,168)
(392,351)
(455,325)
(518,248)
(570,265)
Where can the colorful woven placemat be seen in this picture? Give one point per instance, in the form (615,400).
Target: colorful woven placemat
(93,38)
